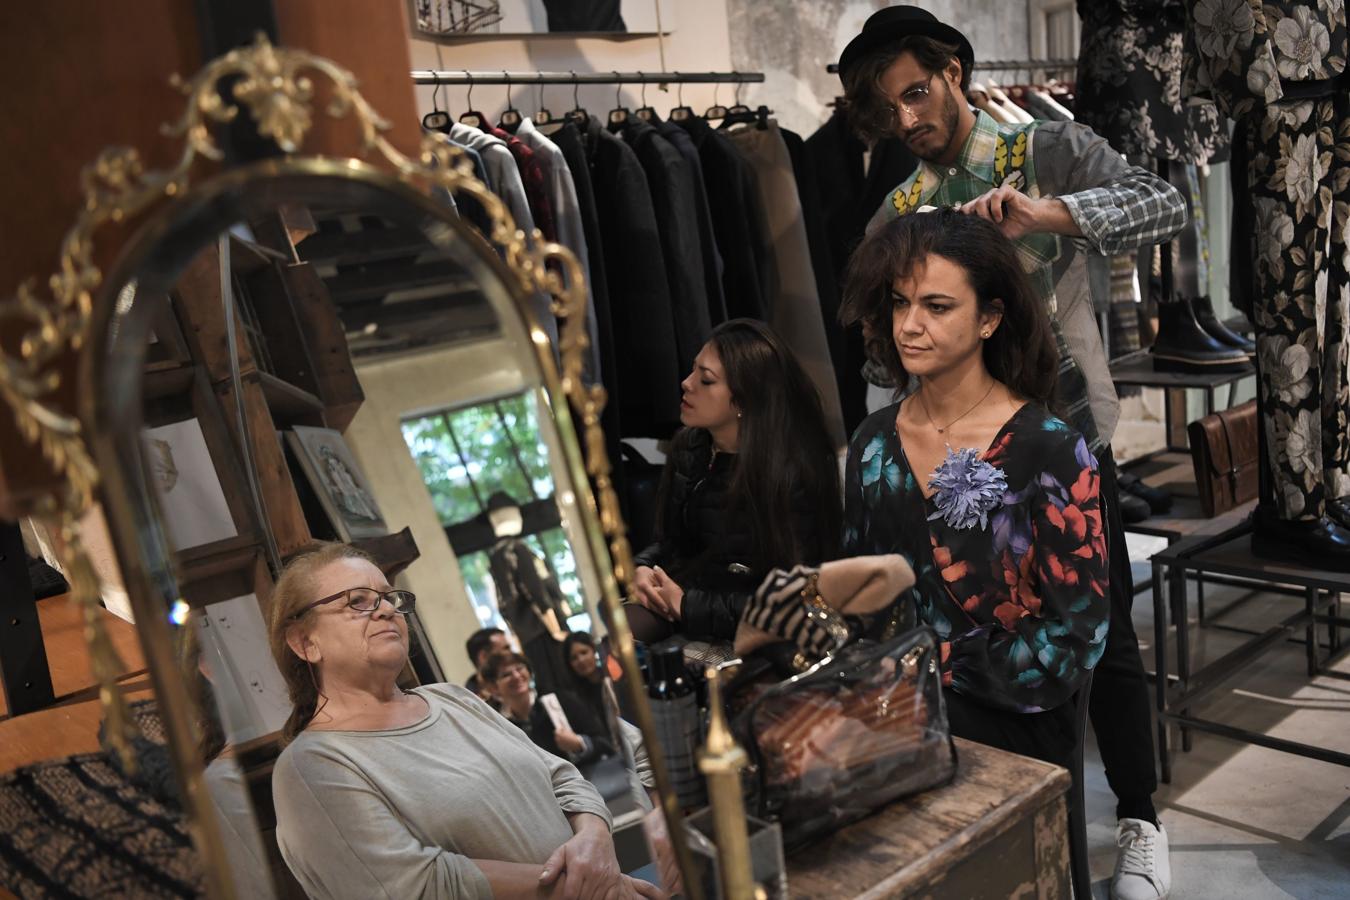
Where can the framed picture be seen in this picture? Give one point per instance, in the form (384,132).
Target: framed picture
(184,478)
(338,482)
(250,693)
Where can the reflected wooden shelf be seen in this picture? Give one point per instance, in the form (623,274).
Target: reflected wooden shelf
(288,402)
(247,256)
(167,379)
(71,725)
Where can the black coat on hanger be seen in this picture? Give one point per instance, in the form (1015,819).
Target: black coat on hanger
(639,291)
(850,191)
(737,212)
(671,182)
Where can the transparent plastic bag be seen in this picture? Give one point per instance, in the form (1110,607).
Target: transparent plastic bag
(833,744)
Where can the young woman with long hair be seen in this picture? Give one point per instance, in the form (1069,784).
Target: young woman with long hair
(751,483)
(990,497)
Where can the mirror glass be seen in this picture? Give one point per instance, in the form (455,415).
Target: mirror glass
(298,356)
(454,19)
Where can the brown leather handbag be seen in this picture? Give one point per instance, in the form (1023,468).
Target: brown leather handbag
(1224,452)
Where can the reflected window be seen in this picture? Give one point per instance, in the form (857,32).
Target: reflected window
(467,454)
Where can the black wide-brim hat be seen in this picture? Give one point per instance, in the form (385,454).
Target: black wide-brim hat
(894,23)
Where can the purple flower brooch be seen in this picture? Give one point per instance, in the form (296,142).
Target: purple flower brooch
(966,489)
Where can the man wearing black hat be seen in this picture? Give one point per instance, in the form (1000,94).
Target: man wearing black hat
(1055,189)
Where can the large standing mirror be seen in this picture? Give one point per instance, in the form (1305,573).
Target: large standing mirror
(313,350)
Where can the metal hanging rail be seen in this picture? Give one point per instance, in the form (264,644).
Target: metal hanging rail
(1004,65)
(462,76)
(1007,65)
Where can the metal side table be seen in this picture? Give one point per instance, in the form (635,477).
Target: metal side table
(1229,555)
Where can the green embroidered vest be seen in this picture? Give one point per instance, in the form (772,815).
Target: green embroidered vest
(1013,165)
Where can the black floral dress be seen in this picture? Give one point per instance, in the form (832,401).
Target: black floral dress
(1020,602)
(1130,67)
(1279,69)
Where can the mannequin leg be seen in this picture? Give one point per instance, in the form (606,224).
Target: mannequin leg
(1293,218)
(1336,358)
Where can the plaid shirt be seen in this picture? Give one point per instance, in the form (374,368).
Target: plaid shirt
(1117,207)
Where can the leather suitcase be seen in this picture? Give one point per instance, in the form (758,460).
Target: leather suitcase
(1224,452)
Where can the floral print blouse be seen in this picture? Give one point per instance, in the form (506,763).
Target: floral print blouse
(1020,605)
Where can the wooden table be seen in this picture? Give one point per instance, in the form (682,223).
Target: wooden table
(999,830)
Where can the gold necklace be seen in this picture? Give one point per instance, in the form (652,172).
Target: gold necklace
(942,429)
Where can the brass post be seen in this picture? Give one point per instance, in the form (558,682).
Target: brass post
(721,761)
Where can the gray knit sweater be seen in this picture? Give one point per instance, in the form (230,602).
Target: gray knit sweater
(401,813)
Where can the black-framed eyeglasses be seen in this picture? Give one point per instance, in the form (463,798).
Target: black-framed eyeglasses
(364,599)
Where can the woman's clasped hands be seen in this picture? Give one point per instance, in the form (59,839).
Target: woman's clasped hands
(585,868)
(657,591)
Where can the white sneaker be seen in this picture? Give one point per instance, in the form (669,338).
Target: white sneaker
(1143,871)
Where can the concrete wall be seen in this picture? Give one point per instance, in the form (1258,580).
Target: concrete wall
(697,42)
(792,41)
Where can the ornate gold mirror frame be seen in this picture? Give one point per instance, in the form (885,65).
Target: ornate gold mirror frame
(275,89)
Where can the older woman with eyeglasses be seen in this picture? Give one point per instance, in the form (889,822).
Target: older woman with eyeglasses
(382,792)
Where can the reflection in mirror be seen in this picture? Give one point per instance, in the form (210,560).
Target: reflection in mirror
(358,374)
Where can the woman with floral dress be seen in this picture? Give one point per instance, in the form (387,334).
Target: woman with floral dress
(990,497)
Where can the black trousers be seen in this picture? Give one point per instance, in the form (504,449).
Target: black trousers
(1044,735)
(1119,706)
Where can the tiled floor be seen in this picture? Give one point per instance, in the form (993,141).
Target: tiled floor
(1244,821)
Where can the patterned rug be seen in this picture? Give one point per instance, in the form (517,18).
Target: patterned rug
(75,827)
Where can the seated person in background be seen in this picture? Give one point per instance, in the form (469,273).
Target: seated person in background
(751,484)
(991,499)
(584,742)
(585,677)
(481,644)
(429,793)
(588,685)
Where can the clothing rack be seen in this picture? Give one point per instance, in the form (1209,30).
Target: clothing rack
(1003,65)
(1009,65)
(462,76)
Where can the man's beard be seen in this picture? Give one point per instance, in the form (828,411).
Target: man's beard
(951,117)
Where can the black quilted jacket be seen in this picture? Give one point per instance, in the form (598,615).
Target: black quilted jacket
(706,544)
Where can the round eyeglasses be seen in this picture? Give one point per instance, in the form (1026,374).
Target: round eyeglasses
(366,600)
(913,101)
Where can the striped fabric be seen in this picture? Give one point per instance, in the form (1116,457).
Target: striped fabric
(788,606)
